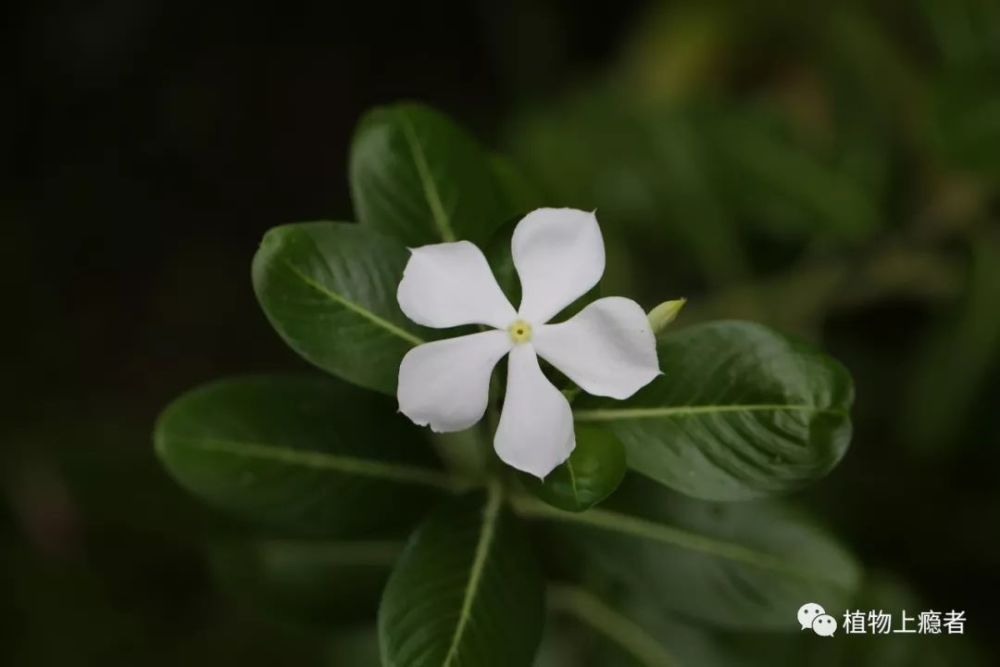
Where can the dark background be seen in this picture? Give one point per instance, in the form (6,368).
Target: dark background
(147,147)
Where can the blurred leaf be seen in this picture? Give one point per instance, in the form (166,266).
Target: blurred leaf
(965,120)
(317,583)
(949,377)
(780,185)
(308,455)
(356,648)
(798,562)
(740,412)
(518,194)
(646,171)
(329,289)
(592,472)
(417,176)
(678,48)
(695,645)
(875,83)
(601,617)
(965,31)
(466,590)
(735,565)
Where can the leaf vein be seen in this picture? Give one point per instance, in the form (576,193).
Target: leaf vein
(613,414)
(438,213)
(397,472)
(487,533)
(355,307)
(660,532)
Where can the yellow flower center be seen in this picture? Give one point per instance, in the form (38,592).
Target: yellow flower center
(520,331)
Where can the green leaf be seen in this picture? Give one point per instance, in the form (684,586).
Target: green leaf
(417,176)
(518,195)
(781,185)
(320,584)
(950,376)
(644,169)
(329,289)
(637,645)
(735,565)
(592,472)
(965,31)
(740,412)
(964,120)
(693,644)
(466,591)
(307,455)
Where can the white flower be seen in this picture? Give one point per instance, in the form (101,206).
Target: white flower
(607,349)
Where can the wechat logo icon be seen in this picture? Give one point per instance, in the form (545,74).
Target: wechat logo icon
(812,615)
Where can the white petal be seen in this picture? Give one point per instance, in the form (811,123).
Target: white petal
(450,284)
(535,433)
(608,348)
(559,255)
(447,383)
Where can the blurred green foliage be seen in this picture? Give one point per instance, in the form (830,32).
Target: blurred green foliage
(831,169)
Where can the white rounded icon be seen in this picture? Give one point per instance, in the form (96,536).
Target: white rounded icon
(808,613)
(824,625)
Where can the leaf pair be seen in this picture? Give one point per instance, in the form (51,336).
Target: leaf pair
(315,457)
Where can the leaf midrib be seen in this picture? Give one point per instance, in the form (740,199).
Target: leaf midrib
(396,472)
(660,532)
(487,533)
(355,307)
(613,414)
(431,193)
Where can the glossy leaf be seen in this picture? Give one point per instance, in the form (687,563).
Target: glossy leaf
(592,472)
(417,176)
(466,591)
(316,583)
(305,455)
(734,565)
(740,412)
(329,289)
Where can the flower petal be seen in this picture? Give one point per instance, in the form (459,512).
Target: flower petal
(447,383)
(559,255)
(450,284)
(535,433)
(608,348)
